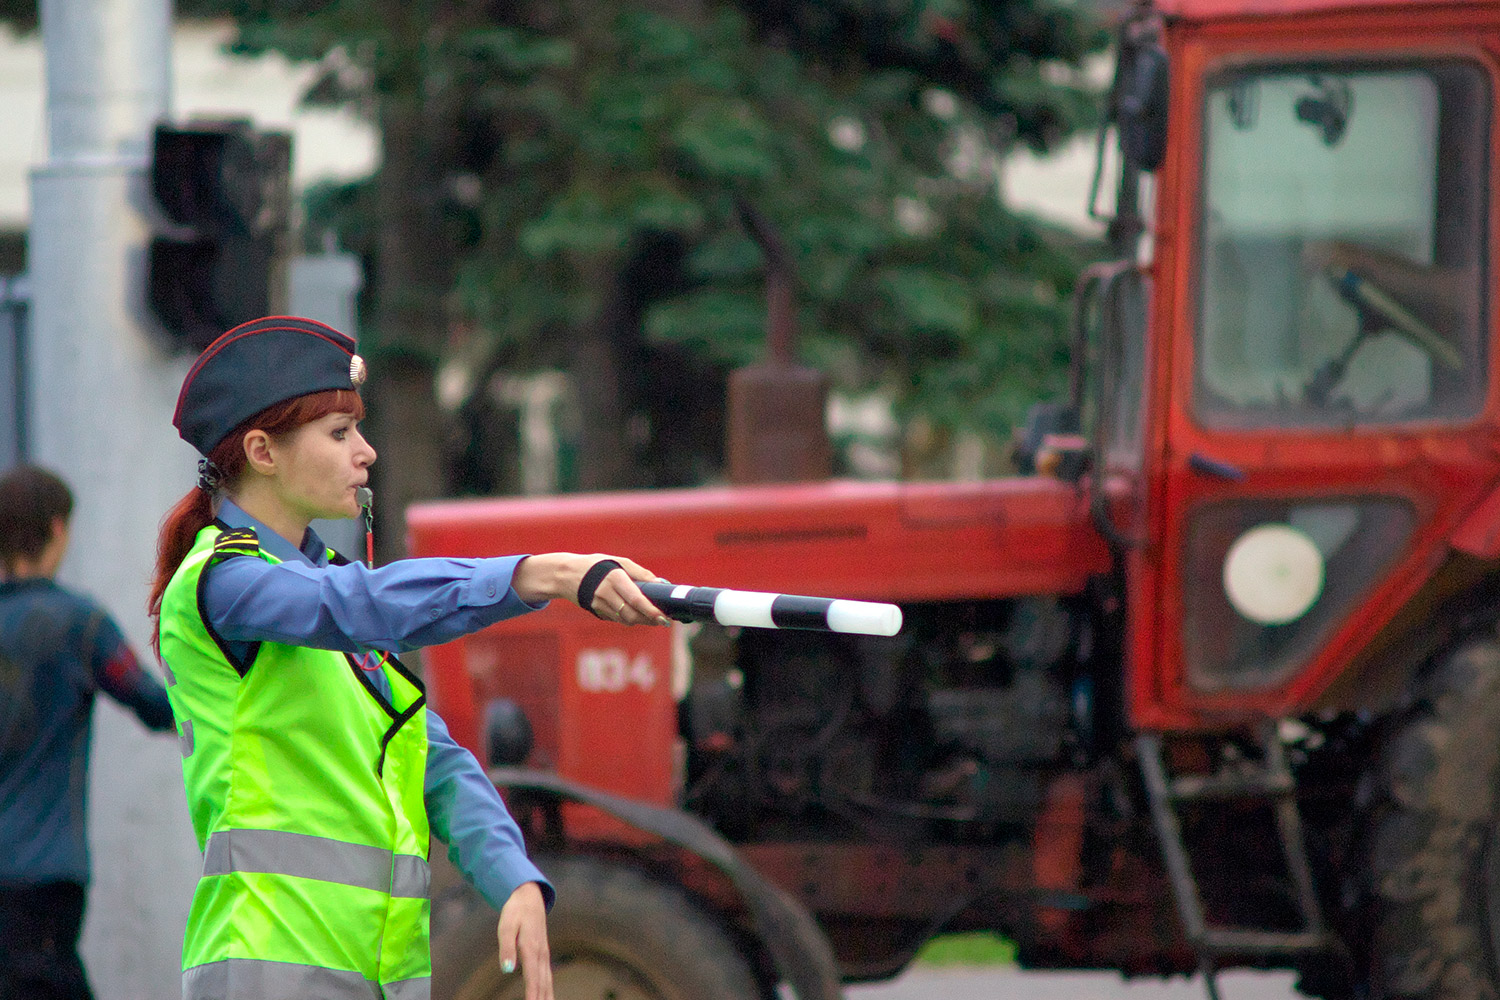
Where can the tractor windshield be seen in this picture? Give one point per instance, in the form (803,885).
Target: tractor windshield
(1342,245)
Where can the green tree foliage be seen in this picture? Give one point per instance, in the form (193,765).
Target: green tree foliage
(914,277)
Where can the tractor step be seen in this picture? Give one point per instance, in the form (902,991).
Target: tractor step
(1271,781)
(1235,941)
(1237,785)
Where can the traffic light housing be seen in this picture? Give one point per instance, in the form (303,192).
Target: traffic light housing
(224,191)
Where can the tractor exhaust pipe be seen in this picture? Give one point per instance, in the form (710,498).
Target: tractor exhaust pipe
(777,430)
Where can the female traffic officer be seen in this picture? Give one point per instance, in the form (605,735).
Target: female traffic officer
(314,772)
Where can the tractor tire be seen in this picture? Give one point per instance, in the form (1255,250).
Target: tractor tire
(614,934)
(1426,893)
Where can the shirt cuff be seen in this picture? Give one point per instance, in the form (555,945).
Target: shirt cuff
(490,584)
(496,886)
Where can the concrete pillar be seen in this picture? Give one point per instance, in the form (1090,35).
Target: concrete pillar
(102,388)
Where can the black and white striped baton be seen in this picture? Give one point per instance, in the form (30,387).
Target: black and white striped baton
(756,610)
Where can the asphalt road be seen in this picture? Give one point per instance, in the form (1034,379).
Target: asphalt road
(1012,984)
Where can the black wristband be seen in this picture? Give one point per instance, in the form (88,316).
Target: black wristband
(590,583)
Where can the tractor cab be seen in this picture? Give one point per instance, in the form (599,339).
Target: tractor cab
(1284,381)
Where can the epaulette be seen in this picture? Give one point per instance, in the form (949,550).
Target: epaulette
(236,542)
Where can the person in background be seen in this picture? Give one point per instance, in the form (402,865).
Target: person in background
(315,775)
(57,649)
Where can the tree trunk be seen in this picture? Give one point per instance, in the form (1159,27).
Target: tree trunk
(412,277)
(610,357)
(406,432)
(601,372)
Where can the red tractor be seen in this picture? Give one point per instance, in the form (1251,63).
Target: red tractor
(1215,681)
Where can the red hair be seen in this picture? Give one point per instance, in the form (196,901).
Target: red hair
(194,512)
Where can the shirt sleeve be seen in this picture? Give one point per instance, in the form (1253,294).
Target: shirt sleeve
(466,812)
(398,607)
(119,674)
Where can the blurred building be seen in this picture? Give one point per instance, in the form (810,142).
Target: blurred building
(329,144)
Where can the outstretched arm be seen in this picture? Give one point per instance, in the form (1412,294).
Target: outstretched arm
(406,604)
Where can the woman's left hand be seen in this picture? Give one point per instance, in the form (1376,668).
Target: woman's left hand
(553,575)
(523,938)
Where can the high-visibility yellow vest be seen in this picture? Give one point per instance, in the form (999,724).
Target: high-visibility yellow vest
(304,784)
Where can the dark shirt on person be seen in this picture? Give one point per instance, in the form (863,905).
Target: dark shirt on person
(57,649)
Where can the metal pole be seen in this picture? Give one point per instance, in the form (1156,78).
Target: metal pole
(101,388)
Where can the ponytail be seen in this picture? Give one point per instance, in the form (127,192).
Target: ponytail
(179,529)
(196,510)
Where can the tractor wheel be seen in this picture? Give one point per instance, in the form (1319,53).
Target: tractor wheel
(614,933)
(1426,920)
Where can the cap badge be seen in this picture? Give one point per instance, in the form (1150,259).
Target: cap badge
(357,370)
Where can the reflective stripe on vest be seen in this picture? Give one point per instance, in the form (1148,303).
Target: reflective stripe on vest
(277,852)
(250,979)
(409,989)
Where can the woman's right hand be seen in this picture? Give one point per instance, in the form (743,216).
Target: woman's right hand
(523,938)
(554,575)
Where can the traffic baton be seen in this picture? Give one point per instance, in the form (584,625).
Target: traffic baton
(757,610)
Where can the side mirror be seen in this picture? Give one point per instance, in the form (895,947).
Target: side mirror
(1064,456)
(1043,421)
(1141,106)
(1327,109)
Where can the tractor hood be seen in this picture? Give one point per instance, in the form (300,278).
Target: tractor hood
(874,541)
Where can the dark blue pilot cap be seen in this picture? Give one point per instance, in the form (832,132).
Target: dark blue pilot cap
(256,365)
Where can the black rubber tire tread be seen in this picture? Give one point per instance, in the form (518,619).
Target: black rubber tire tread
(603,909)
(1422,906)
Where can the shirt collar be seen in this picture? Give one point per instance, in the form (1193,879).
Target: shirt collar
(313,551)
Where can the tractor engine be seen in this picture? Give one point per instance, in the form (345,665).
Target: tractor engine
(944,731)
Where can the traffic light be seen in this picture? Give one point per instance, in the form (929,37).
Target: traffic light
(224,190)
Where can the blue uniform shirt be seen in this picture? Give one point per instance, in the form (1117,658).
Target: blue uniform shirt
(56,650)
(305,601)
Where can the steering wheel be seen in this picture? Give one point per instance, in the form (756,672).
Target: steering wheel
(1370,299)
(1377,310)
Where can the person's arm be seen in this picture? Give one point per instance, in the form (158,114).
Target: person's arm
(466,812)
(484,843)
(1442,294)
(119,674)
(398,607)
(406,604)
